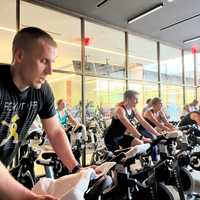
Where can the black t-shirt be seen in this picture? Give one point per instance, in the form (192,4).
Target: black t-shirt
(18,111)
(117,128)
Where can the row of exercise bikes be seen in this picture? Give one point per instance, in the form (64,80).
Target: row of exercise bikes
(173,177)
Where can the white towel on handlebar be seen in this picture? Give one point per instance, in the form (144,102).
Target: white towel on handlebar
(69,187)
(138,149)
(173,134)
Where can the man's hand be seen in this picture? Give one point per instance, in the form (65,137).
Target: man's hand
(45,197)
(96,169)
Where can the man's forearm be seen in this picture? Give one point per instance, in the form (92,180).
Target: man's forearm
(63,149)
(148,127)
(10,189)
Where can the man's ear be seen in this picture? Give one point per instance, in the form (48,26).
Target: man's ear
(19,55)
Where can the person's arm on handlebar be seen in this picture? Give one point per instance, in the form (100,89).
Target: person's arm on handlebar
(149,115)
(60,142)
(10,189)
(72,119)
(166,122)
(145,124)
(120,114)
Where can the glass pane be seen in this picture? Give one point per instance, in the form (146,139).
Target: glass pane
(142,59)
(7,29)
(170,65)
(198,68)
(146,90)
(67,87)
(198,94)
(189,94)
(172,96)
(104,92)
(58,25)
(105,49)
(102,95)
(189,68)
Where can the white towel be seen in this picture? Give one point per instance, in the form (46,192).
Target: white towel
(69,187)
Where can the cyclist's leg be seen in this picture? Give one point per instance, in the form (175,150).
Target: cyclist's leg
(110,143)
(155,151)
(147,134)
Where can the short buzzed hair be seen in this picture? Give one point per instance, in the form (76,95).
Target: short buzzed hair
(130,93)
(27,36)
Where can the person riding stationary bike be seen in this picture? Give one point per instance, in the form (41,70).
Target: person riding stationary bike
(123,120)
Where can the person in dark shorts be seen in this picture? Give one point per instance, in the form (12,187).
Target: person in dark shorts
(124,119)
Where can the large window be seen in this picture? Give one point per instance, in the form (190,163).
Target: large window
(60,27)
(172,96)
(198,75)
(198,93)
(171,80)
(104,92)
(189,77)
(101,96)
(189,68)
(7,29)
(105,51)
(189,94)
(142,59)
(198,68)
(67,87)
(170,65)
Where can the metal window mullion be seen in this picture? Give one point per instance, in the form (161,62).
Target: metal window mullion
(158,62)
(83,82)
(183,76)
(17,15)
(126,59)
(195,75)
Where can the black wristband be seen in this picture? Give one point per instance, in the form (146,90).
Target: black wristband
(76,168)
(141,136)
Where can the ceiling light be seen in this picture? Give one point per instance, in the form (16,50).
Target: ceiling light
(7,29)
(147,12)
(191,40)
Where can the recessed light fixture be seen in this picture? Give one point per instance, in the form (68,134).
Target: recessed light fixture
(102,3)
(191,40)
(145,13)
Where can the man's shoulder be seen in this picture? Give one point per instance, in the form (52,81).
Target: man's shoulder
(45,88)
(45,93)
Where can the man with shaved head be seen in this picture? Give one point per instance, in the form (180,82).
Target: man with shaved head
(24,93)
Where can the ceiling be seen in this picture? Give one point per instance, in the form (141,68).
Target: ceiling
(183,15)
